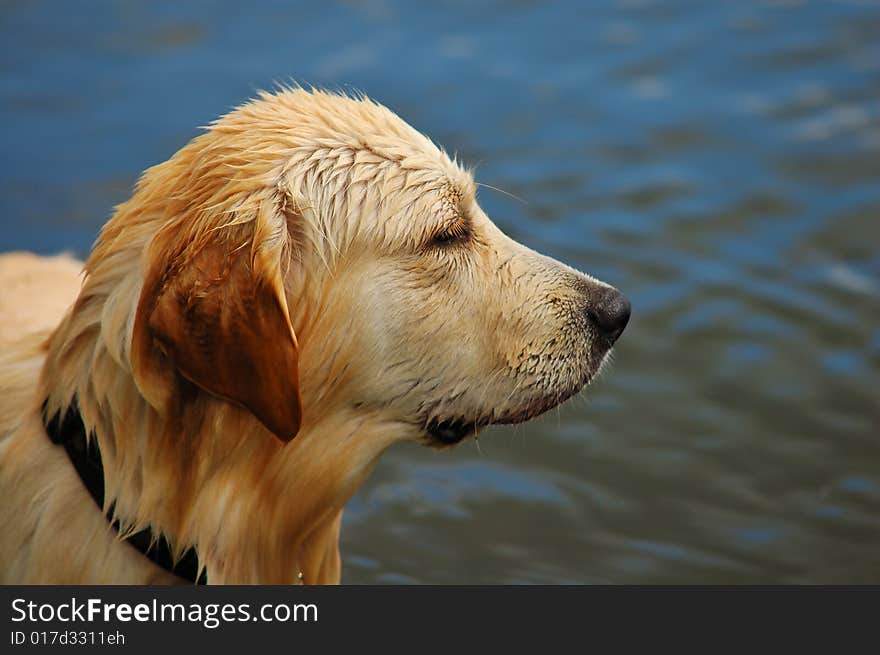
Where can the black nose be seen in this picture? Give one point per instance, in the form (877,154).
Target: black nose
(609,310)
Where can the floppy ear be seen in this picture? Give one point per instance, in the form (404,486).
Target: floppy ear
(214,310)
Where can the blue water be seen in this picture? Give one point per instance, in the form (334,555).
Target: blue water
(718,161)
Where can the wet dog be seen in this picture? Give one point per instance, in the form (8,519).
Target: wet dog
(306,283)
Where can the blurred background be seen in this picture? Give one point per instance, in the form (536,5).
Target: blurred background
(717,161)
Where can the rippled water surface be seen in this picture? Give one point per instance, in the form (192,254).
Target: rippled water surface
(718,161)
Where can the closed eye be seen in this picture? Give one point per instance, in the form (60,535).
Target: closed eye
(455,233)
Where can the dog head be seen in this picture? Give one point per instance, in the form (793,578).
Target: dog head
(316,254)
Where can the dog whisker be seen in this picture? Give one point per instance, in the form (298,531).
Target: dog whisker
(506,193)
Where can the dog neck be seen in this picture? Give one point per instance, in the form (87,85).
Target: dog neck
(68,431)
(254,511)
(206,473)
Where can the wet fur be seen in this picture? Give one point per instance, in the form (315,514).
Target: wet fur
(256,325)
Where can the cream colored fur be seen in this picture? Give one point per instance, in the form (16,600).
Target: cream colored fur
(306,283)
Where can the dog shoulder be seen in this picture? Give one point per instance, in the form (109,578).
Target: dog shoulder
(35,291)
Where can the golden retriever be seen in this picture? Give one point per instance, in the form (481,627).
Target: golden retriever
(306,283)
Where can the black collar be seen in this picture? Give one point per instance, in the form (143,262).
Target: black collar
(70,431)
